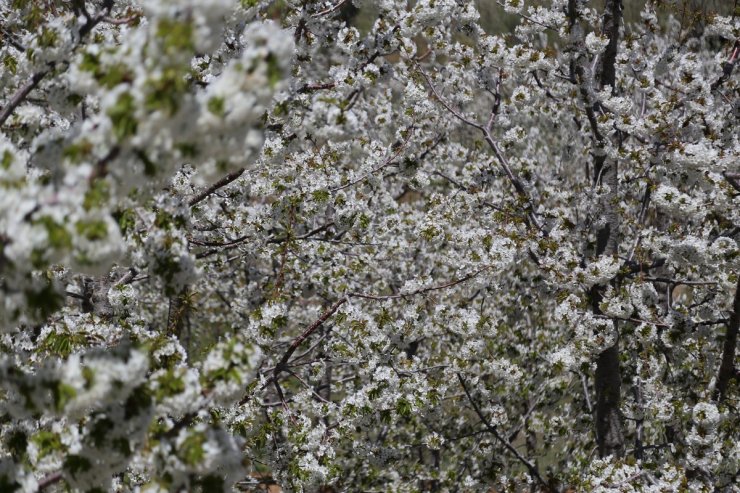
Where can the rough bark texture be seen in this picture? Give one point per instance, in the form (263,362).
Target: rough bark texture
(607,381)
(609,433)
(95,296)
(176,317)
(727,367)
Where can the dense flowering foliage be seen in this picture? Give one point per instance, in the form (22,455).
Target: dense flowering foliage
(258,241)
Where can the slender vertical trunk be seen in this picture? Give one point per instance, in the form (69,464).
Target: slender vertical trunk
(607,381)
(609,433)
(177,318)
(639,423)
(727,366)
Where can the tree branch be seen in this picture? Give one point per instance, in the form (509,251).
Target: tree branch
(283,363)
(492,429)
(503,162)
(22,92)
(49,480)
(727,67)
(20,95)
(216,186)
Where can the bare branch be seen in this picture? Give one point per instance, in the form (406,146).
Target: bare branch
(20,95)
(727,67)
(216,186)
(503,162)
(418,291)
(22,92)
(330,9)
(492,429)
(283,363)
(49,480)
(387,162)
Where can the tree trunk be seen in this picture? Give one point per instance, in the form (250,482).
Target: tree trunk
(607,381)
(727,367)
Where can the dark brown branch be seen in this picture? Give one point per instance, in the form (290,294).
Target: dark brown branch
(727,67)
(12,40)
(121,21)
(283,363)
(330,9)
(101,167)
(503,162)
(20,95)
(418,291)
(49,480)
(611,21)
(216,186)
(22,92)
(732,178)
(219,244)
(77,296)
(492,429)
(316,87)
(387,162)
(315,231)
(667,280)
(607,380)
(127,278)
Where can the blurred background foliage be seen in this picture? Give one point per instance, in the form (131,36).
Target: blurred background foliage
(691,13)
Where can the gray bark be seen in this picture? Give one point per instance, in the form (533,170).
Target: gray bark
(607,382)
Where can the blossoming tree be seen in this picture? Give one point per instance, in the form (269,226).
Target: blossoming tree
(246,241)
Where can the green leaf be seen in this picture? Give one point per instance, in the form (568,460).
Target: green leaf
(47,442)
(216,105)
(166,91)
(191,451)
(175,35)
(7,160)
(92,230)
(10,63)
(97,195)
(122,116)
(59,237)
(274,74)
(168,385)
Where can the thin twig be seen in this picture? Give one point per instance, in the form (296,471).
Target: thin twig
(330,9)
(679,281)
(727,67)
(492,429)
(503,162)
(727,365)
(418,291)
(12,40)
(22,92)
(121,21)
(282,364)
(388,161)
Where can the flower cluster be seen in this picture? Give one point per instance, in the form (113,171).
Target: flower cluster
(350,245)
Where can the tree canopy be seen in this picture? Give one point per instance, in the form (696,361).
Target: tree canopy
(356,245)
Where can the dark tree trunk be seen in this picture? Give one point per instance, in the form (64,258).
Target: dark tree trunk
(607,381)
(727,366)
